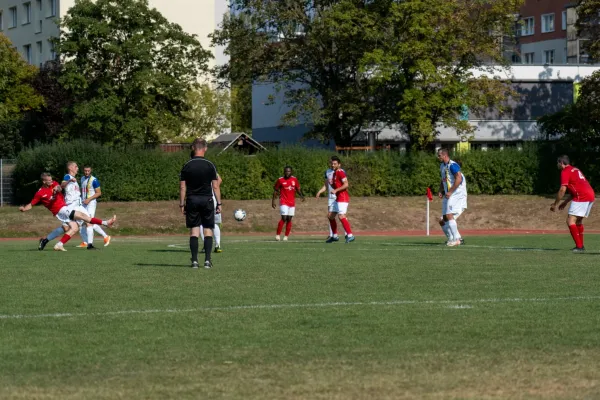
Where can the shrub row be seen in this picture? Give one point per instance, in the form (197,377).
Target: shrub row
(147,175)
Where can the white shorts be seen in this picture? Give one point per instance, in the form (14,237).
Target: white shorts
(330,205)
(91,208)
(218,219)
(581,208)
(340,208)
(63,214)
(287,210)
(454,205)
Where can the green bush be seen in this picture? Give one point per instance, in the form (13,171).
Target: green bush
(147,175)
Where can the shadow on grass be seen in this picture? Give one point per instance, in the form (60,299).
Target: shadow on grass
(170,251)
(470,246)
(161,265)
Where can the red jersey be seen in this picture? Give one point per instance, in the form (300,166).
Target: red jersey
(52,201)
(339,177)
(287,190)
(576,184)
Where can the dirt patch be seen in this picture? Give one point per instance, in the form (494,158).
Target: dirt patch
(373,214)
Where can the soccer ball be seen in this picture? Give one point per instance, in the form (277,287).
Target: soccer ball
(239,215)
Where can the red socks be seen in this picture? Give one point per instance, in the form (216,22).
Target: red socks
(280,226)
(288,228)
(580,228)
(333,225)
(65,238)
(347,226)
(96,221)
(576,236)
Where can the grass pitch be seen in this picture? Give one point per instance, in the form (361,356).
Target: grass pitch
(502,317)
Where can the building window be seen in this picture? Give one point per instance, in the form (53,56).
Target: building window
(27,11)
(52,8)
(1,22)
(13,17)
(549,57)
(528,58)
(40,53)
(52,52)
(27,53)
(564,20)
(38,28)
(39,5)
(547,23)
(528,27)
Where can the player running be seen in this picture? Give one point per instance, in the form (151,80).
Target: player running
(51,196)
(583,196)
(286,188)
(339,191)
(453,192)
(330,199)
(90,191)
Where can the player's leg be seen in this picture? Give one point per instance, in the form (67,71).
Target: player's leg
(89,228)
(207,215)
(72,229)
(51,236)
(202,238)
(193,222)
(454,208)
(194,233)
(446,228)
(83,234)
(331,215)
(288,222)
(574,230)
(342,216)
(577,210)
(579,222)
(217,233)
(80,216)
(283,211)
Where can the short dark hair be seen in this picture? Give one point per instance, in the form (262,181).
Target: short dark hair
(287,166)
(87,166)
(335,158)
(45,174)
(199,144)
(564,160)
(444,151)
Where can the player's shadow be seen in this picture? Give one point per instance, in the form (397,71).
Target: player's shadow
(170,251)
(161,265)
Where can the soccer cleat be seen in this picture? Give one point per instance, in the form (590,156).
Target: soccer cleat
(106,241)
(277,237)
(43,243)
(285,238)
(462,241)
(59,247)
(207,265)
(578,249)
(111,221)
(218,249)
(195,264)
(332,239)
(91,247)
(350,239)
(83,245)
(453,243)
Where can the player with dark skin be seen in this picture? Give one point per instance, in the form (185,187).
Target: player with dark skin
(287,174)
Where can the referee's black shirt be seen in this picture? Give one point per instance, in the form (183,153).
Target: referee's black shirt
(198,174)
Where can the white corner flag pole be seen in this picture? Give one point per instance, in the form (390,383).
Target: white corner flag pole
(427,217)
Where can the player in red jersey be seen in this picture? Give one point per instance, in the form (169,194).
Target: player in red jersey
(51,197)
(286,188)
(582,194)
(342,199)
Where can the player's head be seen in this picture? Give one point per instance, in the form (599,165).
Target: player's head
(443,155)
(563,162)
(335,162)
(199,147)
(46,179)
(72,167)
(87,171)
(287,171)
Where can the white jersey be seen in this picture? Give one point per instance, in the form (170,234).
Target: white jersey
(329,178)
(88,187)
(71,191)
(448,171)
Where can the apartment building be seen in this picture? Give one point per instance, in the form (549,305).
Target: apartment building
(31,24)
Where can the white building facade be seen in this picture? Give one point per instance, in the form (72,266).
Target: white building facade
(31,24)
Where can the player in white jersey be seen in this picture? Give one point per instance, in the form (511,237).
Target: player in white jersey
(217,229)
(90,192)
(330,199)
(453,192)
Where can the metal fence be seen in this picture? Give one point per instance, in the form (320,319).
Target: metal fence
(6,191)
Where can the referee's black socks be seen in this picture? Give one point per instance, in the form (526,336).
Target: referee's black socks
(194,248)
(208,243)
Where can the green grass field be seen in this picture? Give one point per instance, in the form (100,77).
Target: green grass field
(502,317)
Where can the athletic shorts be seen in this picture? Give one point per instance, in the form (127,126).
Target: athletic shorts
(200,211)
(581,208)
(91,208)
(455,205)
(340,208)
(65,212)
(287,210)
(330,204)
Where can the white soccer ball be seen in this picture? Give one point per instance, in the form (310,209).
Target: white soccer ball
(239,215)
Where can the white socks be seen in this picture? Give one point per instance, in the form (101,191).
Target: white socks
(454,229)
(330,231)
(217,235)
(100,230)
(447,231)
(55,233)
(90,234)
(202,233)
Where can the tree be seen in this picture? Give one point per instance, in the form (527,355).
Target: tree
(128,70)
(208,112)
(17,96)
(588,26)
(344,64)
(241,107)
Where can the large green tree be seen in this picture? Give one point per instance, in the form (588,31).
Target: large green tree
(344,64)
(128,69)
(17,96)
(588,26)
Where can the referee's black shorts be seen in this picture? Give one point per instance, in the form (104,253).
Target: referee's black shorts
(200,211)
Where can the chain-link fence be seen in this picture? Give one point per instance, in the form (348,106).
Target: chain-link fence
(6,170)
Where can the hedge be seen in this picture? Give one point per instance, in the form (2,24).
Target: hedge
(148,175)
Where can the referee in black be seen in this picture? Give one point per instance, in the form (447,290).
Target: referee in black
(198,181)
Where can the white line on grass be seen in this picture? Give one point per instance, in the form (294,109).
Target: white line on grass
(463,304)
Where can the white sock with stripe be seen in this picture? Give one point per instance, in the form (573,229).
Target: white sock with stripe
(454,229)
(447,231)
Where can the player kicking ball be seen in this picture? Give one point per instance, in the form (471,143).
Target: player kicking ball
(582,196)
(453,192)
(286,188)
(50,196)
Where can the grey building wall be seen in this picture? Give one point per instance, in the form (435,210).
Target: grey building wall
(558,45)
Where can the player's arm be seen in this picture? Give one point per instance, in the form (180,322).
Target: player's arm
(26,208)
(33,202)
(458,178)
(344,186)
(97,193)
(182,192)
(216,185)
(275,194)
(66,180)
(441,189)
(323,189)
(299,191)
(559,196)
